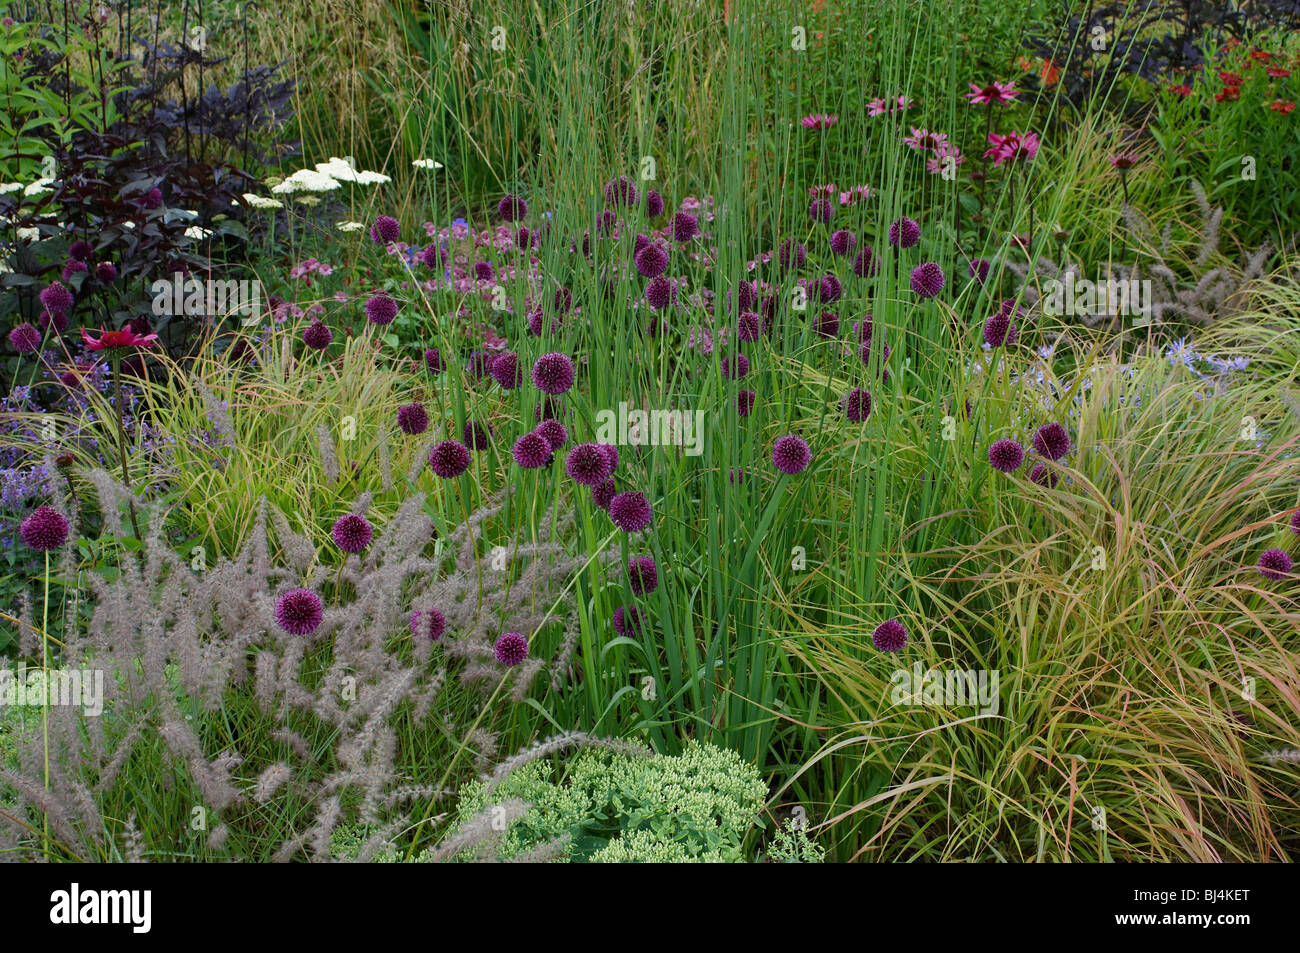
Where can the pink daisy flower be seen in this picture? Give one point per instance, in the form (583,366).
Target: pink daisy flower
(819,121)
(993,92)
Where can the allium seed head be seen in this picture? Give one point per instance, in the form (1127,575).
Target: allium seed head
(630,512)
(299,612)
(44,529)
(553,373)
(352,533)
(1052,441)
(531,451)
(642,575)
(449,459)
(413,418)
(1274,564)
(904,233)
(1006,455)
(889,636)
(511,649)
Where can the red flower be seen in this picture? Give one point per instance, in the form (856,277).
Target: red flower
(1277,72)
(1229,93)
(1281,106)
(1229,78)
(115,339)
(1183,90)
(1261,55)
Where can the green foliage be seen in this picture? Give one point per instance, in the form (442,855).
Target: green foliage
(615,807)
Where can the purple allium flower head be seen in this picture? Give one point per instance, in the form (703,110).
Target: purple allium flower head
(659,293)
(56,297)
(829,289)
(904,233)
(81,250)
(299,612)
(651,261)
(553,373)
(821,210)
(737,475)
(629,621)
(44,529)
(53,319)
(431,256)
(74,267)
(602,495)
(1274,564)
(317,336)
(483,271)
(152,199)
(523,238)
(927,279)
(791,254)
(1052,441)
(562,300)
(429,623)
(587,464)
(25,338)
(630,512)
(790,454)
(745,402)
(749,327)
(477,436)
(654,204)
(506,370)
(554,433)
(605,223)
(449,459)
(1006,455)
(999,329)
(1295,522)
(857,405)
(106,272)
(620,191)
(735,367)
(843,241)
(512,208)
(979,270)
(479,363)
(386,229)
(352,533)
(685,226)
(642,575)
(413,418)
(827,324)
(1043,476)
(611,453)
(866,264)
(381,309)
(550,408)
(511,649)
(433,360)
(889,636)
(531,451)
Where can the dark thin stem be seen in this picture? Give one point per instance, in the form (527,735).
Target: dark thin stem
(121,439)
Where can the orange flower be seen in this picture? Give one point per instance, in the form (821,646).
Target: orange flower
(1049,73)
(1282,107)
(1229,93)
(1183,90)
